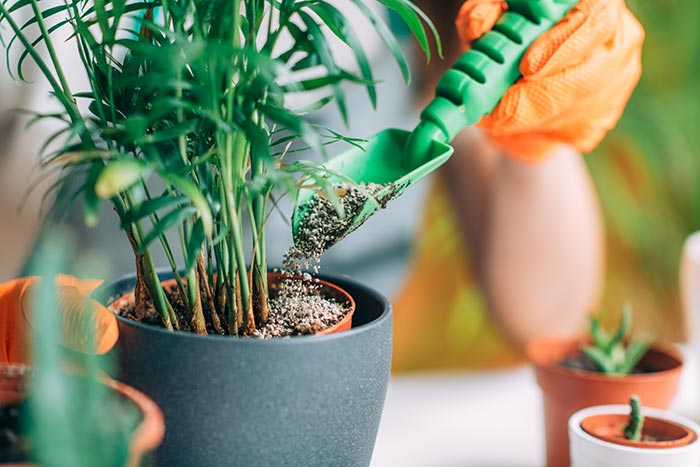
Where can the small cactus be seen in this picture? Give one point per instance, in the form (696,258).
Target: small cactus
(609,353)
(635,423)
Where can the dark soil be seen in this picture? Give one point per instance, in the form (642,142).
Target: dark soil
(14,442)
(152,317)
(100,431)
(578,361)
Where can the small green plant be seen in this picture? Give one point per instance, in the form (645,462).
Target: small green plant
(72,419)
(185,124)
(635,423)
(610,353)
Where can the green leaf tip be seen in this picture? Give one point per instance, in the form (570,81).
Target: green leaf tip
(119,176)
(611,354)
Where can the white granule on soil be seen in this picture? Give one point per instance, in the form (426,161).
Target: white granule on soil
(321,227)
(298,307)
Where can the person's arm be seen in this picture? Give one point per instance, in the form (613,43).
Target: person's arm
(523,194)
(535,233)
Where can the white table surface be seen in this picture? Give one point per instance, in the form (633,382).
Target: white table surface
(480,419)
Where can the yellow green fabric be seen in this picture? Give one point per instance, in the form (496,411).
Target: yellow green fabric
(440,319)
(647,174)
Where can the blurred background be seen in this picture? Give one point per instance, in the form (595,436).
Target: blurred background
(647,174)
(647,171)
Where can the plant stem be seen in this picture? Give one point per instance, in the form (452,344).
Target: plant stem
(236,231)
(52,51)
(152,280)
(163,239)
(236,23)
(60,93)
(198,322)
(158,294)
(259,267)
(145,272)
(204,282)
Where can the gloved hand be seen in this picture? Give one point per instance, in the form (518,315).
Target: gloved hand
(75,310)
(577,77)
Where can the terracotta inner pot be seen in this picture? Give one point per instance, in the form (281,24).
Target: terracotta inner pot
(666,434)
(328,289)
(147,435)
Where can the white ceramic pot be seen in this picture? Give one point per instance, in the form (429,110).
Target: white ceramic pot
(688,401)
(589,451)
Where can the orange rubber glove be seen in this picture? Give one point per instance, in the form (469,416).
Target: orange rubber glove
(577,78)
(74,308)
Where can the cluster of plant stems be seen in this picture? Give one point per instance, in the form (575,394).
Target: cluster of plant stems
(185,128)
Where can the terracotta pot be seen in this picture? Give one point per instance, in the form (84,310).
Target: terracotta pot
(597,439)
(274,280)
(312,401)
(667,434)
(146,437)
(566,391)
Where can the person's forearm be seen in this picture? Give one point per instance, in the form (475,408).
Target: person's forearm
(469,175)
(543,260)
(536,238)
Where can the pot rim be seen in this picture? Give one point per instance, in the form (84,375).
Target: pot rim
(577,418)
(619,420)
(545,365)
(147,435)
(105,291)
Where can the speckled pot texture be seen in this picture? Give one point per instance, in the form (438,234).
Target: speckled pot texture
(303,401)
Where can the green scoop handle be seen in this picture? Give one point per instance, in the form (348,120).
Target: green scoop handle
(475,84)
(396,159)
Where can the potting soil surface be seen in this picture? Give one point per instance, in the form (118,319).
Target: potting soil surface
(13,440)
(580,362)
(296,307)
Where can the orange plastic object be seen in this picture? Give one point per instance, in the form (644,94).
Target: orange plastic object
(80,317)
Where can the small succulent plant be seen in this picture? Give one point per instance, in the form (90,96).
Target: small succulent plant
(635,423)
(609,352)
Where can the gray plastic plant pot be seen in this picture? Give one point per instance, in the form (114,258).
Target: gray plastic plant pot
(302,401)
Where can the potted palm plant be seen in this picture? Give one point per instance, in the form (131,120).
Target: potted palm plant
(185,128)
(620,436)
(605,368)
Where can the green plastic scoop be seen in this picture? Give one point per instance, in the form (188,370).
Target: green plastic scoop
(396,159)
